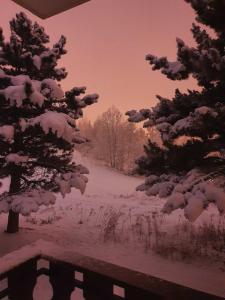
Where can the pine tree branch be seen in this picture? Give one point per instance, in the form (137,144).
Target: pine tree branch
(48,165)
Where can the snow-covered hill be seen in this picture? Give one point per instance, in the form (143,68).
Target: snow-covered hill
(114,223)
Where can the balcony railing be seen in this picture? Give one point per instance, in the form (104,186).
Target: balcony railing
(98,281)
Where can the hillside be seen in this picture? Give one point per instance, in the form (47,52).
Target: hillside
(114,223)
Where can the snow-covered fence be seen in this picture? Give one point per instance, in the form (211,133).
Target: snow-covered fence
(99,281)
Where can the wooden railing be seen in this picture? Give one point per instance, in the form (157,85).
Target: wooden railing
(98,281)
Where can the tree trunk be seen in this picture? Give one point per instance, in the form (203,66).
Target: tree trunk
(13,222)
(13,217)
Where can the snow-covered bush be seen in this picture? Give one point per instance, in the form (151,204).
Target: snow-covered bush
(187,166)
(38,129)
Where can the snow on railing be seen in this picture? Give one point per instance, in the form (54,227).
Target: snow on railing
(99,279)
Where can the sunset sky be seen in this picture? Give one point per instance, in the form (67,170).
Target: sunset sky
(107,44)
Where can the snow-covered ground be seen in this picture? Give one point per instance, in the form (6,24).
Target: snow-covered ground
(114,223)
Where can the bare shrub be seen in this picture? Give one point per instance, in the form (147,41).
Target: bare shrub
(188,242)
(148,230)
(183,241)
(110,225)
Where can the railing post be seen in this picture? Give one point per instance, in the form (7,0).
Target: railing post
(22,280)
(61,277)
(97,287)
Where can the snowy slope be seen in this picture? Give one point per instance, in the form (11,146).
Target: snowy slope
(111,222)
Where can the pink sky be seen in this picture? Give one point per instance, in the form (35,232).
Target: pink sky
(107,44)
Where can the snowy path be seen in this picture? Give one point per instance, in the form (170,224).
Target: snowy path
(85,224)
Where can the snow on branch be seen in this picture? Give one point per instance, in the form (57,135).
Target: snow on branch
(36,91)
(16,159)
(7,132)
(55,91)
(58,123)
(27,202)
(193,192)
(173,70)
(69,180)
(138,116)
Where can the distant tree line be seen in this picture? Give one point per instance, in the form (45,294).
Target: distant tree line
(113,140)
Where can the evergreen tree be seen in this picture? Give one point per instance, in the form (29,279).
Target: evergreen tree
(37,121)
(190,165)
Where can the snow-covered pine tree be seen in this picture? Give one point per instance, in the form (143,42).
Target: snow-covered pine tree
(189,166)
(37,121)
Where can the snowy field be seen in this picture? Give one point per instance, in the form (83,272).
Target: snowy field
(114,223)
